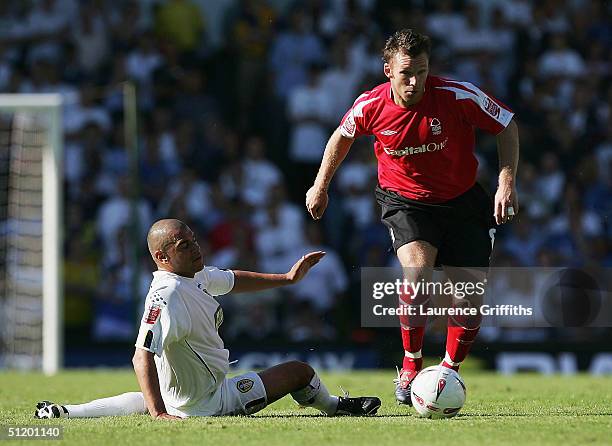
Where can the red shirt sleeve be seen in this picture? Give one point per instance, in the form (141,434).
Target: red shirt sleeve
(480,109)
(355,123)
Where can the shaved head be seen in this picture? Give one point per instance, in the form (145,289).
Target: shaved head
(163,233)
(174,247)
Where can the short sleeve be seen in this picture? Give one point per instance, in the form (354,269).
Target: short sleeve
(354,122)
(216,281)
(478,108)
(165,320)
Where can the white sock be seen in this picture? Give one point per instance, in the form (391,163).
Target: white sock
(315,395)
(124,404)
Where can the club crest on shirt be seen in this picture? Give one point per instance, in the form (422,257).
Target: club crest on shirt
(153,314)
(436,126)
(218,317)
(349,126)
(491,107)
(244,385)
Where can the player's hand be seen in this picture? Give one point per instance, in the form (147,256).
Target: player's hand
(166,416)
(506,201)
(316,201)
(302,266)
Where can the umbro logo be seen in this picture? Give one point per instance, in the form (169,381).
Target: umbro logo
(388,132)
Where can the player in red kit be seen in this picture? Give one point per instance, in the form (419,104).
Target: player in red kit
(435,211)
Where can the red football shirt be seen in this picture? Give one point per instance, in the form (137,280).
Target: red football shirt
(426,151)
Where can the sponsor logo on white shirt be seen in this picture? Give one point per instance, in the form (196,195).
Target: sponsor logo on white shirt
(153,314)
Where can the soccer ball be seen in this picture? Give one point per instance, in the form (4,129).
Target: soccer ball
(437,392)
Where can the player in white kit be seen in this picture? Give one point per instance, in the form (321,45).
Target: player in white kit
(180,360)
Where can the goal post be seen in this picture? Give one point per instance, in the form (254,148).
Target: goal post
(43,114)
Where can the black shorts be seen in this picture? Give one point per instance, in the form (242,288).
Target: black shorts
(460,228)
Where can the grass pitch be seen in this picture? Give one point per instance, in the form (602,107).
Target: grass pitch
(523,409)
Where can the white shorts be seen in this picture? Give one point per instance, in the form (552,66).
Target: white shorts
(240,395)
(243,395)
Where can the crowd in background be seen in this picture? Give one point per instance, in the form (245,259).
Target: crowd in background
(236,101)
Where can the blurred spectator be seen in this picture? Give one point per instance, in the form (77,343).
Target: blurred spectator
(325,285)
(126,21)
(339,81)
(81,269)
(192,100)
(305,324)
(603,153)
(114,162)
(233,225)
(444,22)
(475,36)
(356,180)
(250,30)
(569,231)
(114,214)
(517,12)
(533,202)
(49,18)
(196,197)
(238,254)
(6,68)
(598,196)
(525,241)
(308,109)
(551,181)
(279,231)
(294,50)
(181,23)
(90,37)
(260,175)
(116,305)
(144,60)
(560,60)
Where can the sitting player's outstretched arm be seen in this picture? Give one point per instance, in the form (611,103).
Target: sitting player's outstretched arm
(245,281)
(146,373)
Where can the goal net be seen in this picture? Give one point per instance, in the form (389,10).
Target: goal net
(30,232)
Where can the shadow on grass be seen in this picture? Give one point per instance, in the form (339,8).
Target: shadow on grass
(459,417)
(467,416)
(393,415)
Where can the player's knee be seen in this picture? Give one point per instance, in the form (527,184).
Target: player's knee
(417,254)
(302,370)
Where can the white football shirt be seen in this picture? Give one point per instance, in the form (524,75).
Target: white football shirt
(180,325)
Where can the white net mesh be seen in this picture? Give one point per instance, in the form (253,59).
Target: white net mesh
(23,137)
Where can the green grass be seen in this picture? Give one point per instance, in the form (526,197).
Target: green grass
(523,409)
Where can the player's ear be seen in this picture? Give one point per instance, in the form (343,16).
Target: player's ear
(160,256)
(387,70)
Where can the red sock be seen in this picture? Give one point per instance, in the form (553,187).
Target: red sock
(459,339)
(413,343)
(413,333)
(460,334)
